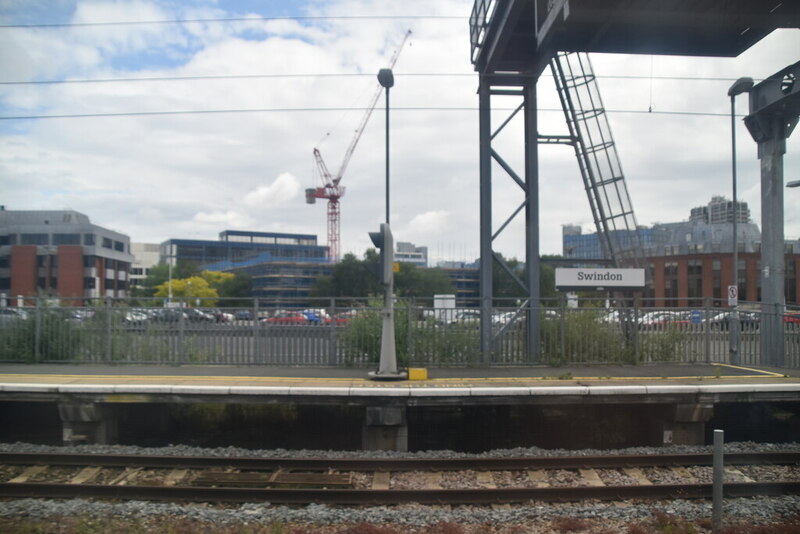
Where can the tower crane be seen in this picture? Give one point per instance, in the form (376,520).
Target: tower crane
(331,188)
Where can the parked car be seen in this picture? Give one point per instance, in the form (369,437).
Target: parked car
(472,317)
(199,316)
(10,315)
(222,316)
(664,318)
(135,317)
(169,315)
(792,317)
(243,315)
(343,318)
(312,317)
(286,318)
(747,320)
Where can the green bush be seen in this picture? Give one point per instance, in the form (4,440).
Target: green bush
(59,339)
(580,336)
(662,346)
(425,343)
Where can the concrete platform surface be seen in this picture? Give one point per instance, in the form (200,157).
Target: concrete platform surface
(494,377)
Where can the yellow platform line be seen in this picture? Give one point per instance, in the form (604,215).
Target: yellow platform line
(767,373)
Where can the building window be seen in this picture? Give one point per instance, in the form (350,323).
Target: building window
(66,239)
(695,281)
(107,243)
(671,283)
(88,240)
(119,246)
(89,283)
(35,239)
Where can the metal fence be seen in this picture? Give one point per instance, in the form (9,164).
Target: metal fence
(346,332)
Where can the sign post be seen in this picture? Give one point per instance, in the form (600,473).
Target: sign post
(733,326)
(733,296)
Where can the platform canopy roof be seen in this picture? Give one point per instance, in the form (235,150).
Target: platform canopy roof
(522,35)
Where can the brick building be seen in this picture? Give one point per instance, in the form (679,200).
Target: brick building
(61,254)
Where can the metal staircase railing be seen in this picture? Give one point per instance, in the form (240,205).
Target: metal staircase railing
(597,157)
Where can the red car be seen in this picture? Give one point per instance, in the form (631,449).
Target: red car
(287,318)
(792,317)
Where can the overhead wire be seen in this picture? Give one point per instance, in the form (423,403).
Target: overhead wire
(334,75)
(230,19)
(329,109)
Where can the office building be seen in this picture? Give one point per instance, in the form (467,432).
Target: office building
(410,253)
(283,267)
(61,254)
(145,257)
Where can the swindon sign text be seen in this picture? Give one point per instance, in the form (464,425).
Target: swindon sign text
(599,278)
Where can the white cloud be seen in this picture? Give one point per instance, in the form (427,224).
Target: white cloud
(194,175)
(223,219)
(282,190)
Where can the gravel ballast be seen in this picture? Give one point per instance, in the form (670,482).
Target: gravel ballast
(760,510)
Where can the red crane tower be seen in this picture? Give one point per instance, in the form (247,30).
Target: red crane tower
(331,188)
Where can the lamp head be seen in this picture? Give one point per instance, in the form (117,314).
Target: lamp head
(386,78)
(742,85)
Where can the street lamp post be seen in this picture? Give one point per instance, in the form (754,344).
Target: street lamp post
(386,79)
(387,369)
(742,85)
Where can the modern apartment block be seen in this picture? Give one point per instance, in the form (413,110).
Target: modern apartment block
(61,254)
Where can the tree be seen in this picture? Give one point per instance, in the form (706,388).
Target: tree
(351,277)
(413,281)
(506,287)
(191,288)
(239,286)
(159,275)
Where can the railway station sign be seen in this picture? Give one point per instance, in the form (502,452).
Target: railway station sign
(577,279)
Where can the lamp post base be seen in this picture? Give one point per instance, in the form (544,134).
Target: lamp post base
(377,375)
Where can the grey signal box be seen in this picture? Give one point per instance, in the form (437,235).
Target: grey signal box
(384,241)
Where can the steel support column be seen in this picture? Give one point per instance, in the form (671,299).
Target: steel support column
(773,269)
(521,85)
(532,256)
(774,113)
(486,261)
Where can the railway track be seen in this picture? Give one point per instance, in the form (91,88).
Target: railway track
(391,481)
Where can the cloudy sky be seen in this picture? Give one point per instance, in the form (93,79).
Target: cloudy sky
(162,129)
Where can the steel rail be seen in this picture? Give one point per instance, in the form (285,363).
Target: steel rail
(389,497)
(398,464)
